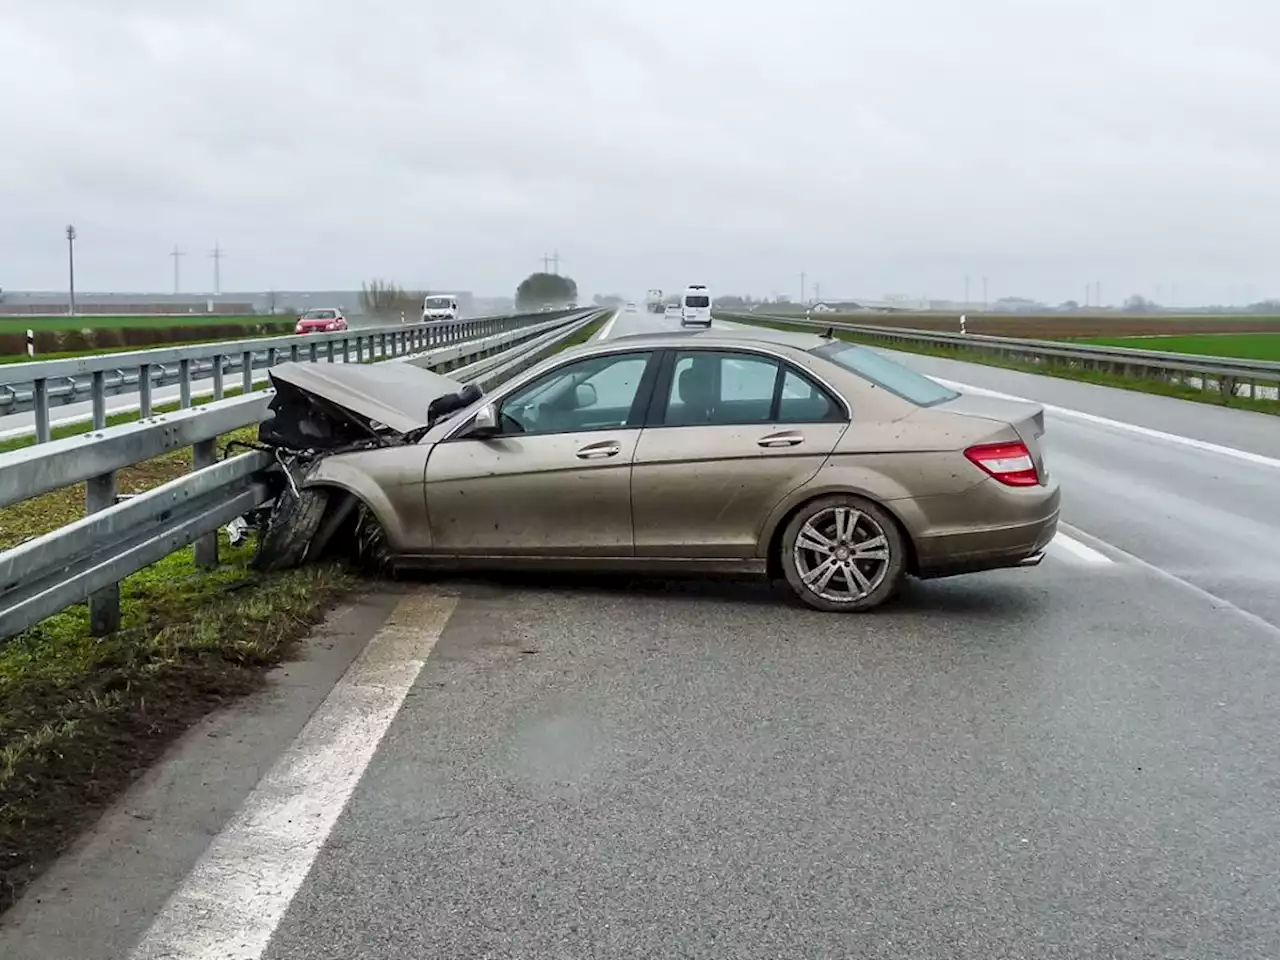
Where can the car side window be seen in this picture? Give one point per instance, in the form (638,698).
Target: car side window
(596,393)
(710,388)
(803,401)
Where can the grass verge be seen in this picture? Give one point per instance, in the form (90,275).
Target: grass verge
(1244,346)
(1164,388)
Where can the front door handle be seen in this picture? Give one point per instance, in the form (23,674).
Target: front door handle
(789,438)
(597,451)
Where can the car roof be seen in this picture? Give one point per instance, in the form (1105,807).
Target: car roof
(735,336)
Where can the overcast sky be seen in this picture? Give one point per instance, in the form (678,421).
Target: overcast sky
(881,147)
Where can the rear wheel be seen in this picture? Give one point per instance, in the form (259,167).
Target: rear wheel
(843,553)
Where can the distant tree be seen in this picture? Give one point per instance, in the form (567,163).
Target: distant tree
(1271,307)
(387,299)
(539,288)
(1138,304)
(1069,305)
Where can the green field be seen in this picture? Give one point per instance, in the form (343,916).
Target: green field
(51,324)
(1247,346)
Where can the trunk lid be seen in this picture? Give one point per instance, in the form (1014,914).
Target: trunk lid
(1027,420)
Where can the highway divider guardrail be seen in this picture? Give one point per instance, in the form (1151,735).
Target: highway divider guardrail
(87,559)
(42,385)
(1230,376)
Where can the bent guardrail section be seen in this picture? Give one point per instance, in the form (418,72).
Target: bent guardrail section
(1231,376)
(87,559)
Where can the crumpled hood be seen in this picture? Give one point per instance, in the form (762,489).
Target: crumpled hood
(395,394)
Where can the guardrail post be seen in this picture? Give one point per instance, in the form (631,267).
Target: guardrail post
(293,352)
(40,399)
(346,349)
(144,390)
(246,374)
(98,394)
(330,351)
(184,383)
(205,454)
(217,377)
(104,606)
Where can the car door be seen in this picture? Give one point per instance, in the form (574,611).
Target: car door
(730,434)
(557,480)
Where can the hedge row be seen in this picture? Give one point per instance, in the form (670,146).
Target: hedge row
(115,338)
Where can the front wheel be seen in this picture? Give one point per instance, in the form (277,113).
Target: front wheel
(844,554)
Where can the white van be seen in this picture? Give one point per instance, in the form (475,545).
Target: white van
(439,306)
(695,306)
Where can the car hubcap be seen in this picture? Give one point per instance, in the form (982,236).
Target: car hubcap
(841,554)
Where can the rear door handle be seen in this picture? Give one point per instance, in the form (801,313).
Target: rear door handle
(790,438)
(597,451)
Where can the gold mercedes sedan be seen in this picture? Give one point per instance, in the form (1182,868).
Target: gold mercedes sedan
(749,451)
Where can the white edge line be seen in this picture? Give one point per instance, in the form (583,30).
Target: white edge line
(1205,445)
(607,329)
(1213,599)
(1079,550)
(228,908)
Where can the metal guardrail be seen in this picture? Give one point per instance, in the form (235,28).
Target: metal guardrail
(1230,376)
(42,385)
(88,558)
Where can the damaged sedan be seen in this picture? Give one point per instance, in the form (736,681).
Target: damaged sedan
(746,451)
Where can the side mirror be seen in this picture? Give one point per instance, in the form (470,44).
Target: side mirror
(585,395)
(485,423)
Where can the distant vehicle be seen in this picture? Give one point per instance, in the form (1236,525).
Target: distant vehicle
(653,301)
(674,311)
(573,304)
(631,306)
(547,308)
(439,306)
(695,306)
(320,320)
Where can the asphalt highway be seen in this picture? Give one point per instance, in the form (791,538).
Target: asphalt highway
(1077,760)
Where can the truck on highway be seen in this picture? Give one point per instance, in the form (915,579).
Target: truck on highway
(653,301)
(439,306)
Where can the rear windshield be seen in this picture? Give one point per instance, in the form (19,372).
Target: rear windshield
(883,372)
(697,301)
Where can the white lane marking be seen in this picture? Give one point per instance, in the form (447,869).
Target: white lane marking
(1205,445)
(231,904)
(1217,602)
(1080,551)
(607,328)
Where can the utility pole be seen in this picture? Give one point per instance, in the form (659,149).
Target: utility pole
(802,300)
(817,291)
(986,304)
(555,263)
(177,255)
(71,267)
(1098,287)
(217,254)
(966,291)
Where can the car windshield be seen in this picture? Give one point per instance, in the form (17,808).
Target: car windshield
(883,372)
(319,315)
(438,303)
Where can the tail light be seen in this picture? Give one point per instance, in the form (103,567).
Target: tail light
(1010,463)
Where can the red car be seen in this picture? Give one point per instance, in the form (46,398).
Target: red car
(321,320)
